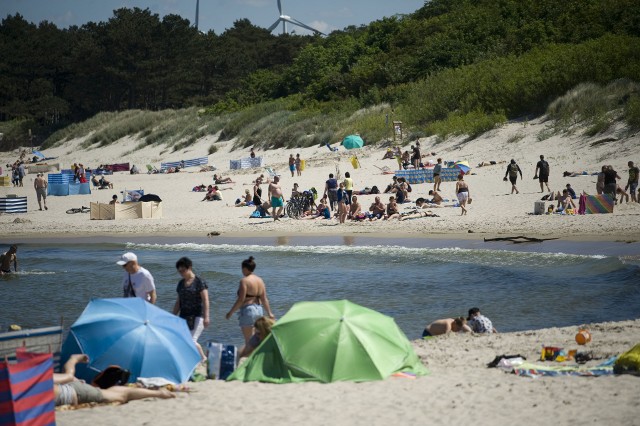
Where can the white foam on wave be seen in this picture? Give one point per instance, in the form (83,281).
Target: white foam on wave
(35,273)
(494,257)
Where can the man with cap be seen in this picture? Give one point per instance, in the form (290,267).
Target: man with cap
(137,281)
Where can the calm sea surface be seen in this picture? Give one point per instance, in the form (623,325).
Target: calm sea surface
(518,287)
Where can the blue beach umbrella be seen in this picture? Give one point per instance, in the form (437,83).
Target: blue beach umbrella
(352,142)
(137,336)
(463,166)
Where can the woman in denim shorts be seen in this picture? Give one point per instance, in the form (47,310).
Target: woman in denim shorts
(252,302)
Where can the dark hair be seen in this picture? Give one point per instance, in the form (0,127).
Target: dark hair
(249,264)
(115,197)
(184,262)
(431,192)
(330,175)
(347,175)
(473,311)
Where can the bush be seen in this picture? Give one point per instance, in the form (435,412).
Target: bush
(632,112)
(472,124)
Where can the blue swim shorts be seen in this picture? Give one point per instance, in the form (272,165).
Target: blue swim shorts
(249,314)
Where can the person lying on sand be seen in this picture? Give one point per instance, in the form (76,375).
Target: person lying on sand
(68,390)
(447,325)
(219,180)
(415,214)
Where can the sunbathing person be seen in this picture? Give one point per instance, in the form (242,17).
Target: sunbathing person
(105,183)
(246,199)
(392,209)
(322,211)
(219,180)
(392,185)
(388,155)
(437,199)
(565,202)
(355,210)
(70,391)
(447,325)
(377,210)
(213,194)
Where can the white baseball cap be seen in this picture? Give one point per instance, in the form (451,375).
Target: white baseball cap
(126,258)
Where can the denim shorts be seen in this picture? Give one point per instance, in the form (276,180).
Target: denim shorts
(249,314)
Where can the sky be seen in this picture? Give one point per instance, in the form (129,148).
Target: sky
(217,15)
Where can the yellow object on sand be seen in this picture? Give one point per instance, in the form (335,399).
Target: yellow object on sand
(354,162)
(303,164)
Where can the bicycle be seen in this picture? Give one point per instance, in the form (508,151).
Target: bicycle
(82,209)
(296,206)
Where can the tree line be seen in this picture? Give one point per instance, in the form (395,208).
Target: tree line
(136,59)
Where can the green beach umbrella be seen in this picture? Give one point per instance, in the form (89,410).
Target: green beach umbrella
(353,142)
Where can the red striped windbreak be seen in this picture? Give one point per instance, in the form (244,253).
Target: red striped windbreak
(26,391)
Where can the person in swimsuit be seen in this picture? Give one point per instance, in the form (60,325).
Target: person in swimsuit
(298,164)
(7,258)
(437,180)
(277,201)
(40,184)
(68,390)
(252,299)
(292,165)
(257,192)
(355,211)
(437,198)
(343,202)
(377,209)
(447,325)
(462,190)
(392,209)
(632,182)
(263,329)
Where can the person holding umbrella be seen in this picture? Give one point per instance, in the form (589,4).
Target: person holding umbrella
(512,170)
(192,303)
(252,300)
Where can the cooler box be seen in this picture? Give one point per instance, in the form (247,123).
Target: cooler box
(221,360)
(539,207)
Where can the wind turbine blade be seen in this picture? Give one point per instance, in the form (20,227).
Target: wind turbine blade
(273,27)
(303,25)
(280,7)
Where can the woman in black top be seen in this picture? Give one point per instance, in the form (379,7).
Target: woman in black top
(192,303)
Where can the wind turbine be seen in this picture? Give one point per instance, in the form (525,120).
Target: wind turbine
(286,18)
(197,12)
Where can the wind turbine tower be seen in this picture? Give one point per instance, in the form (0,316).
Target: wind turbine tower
(286,18)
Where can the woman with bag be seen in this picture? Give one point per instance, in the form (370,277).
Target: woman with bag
(192,303)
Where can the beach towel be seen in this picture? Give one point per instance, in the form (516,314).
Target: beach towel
(597,204)
(527,369)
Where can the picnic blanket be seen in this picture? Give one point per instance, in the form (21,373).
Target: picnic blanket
(527,369)
(595,204)
(245,163)
(202,161)
(416,176)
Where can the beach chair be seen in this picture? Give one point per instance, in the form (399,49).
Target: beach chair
(272,173)
(41,340)
(151,169)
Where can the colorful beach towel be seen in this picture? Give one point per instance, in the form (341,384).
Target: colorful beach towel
(527,369)
(596,204)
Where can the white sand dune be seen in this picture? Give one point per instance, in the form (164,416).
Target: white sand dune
(493,211)
(459,390)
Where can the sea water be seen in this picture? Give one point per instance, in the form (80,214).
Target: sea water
(517,287)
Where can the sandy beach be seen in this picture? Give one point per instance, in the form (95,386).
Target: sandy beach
(460,389)
(493,212)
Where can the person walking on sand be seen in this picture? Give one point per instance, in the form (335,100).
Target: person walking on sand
(445,326)
(137,281)
(632,183)
(7,258)
(277,201)
(462,192)
(542,173)
(512,171)
(40,184)
(298,164)
(192,303)
(292,165)
(437,180)
(331,190)
(252,301)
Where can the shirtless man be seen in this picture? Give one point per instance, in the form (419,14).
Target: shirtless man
(437,199)
(70,391)
(40,185)
(355,209)
(277,202)
(447,325)
(377,209)
(7,258)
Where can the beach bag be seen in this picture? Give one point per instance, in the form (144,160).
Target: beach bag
(221,360)
(255,214)
(113,375)
(513,170)
(628,362)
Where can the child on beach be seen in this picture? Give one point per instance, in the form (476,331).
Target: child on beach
(447,325)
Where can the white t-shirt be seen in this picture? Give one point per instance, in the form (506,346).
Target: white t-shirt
(142,282)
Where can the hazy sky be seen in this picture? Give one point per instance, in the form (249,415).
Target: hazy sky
(325,15)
